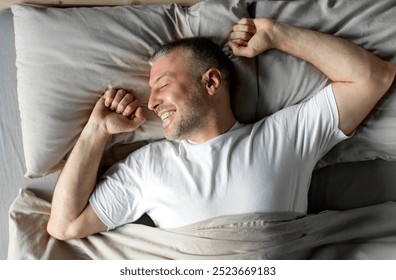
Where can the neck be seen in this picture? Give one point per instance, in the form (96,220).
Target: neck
(215,126)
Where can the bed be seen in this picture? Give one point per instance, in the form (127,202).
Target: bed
(56,61)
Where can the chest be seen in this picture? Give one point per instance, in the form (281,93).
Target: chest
(222,180)
(221,171)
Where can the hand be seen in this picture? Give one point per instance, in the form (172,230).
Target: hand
(251,37)
(117,111)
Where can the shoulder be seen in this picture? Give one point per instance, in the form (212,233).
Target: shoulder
(318,114)
(323,99)
(322,103)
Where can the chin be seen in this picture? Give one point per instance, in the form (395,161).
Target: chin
(174,136)
(170,136)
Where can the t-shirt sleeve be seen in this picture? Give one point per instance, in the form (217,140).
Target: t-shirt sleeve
(117,198)
(312,126)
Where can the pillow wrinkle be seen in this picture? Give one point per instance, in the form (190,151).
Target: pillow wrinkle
(67,57)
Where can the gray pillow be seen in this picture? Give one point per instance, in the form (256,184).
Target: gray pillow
(67,57)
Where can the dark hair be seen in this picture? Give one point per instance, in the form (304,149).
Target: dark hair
(205,54)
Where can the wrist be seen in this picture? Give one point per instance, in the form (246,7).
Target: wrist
(274,28)
(96,132)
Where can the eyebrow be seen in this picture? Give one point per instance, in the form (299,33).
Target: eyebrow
(165,74)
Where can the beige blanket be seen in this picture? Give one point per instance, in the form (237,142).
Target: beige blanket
(360,233)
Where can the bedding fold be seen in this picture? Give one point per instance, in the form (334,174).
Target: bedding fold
(245,236)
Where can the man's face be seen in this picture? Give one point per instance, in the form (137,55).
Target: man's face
(177,97)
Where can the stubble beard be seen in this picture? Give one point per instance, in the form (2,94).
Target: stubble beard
(192,116)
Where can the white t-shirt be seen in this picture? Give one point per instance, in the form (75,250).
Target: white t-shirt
(264,167)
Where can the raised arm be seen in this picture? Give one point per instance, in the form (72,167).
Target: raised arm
(359,78)
(71,214)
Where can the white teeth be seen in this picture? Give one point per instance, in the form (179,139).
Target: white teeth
(166,115)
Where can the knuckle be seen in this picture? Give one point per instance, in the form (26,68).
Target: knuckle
(121,91)
(114,105)
(129,97)
(107,91)
(243,20)
(246,37)
(119,95)
(127,105)
(127,111)
(109,96)
(120,108)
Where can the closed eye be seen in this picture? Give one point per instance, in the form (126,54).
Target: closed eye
(162,87)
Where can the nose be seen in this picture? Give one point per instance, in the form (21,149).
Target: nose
(153,101)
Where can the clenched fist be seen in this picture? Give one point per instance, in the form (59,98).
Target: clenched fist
(117,111)
(251,37)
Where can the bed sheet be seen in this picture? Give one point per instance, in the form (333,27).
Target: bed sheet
(247,236)
(333,187)
(12,166)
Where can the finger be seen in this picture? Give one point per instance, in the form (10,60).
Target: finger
(251,29)
(246,24)
(234,47)
(240,36)
(139,117)
(125,101)
(237,44)
(117,99)
(130,108)
(109,96)
(240,49)
(246,21)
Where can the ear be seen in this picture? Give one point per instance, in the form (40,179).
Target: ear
(212,79)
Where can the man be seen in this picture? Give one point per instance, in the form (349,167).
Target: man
(212,165)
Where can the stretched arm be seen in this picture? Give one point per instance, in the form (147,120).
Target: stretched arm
(71,214)
(359,78)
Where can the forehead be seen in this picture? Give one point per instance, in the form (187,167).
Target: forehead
(168,65)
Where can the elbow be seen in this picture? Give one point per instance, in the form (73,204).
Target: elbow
(378,80)
(392,73)
(61,231)
(385,77)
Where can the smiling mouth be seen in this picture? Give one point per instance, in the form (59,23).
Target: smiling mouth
(165,117)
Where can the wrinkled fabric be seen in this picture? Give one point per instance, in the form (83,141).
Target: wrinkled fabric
(282,235)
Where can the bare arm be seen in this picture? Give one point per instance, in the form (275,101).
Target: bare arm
(359,78)
(71,214)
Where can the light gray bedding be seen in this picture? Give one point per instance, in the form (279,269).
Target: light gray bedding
(12,165)
(341,186)
(247,236)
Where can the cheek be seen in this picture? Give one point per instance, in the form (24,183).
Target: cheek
(176,95)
